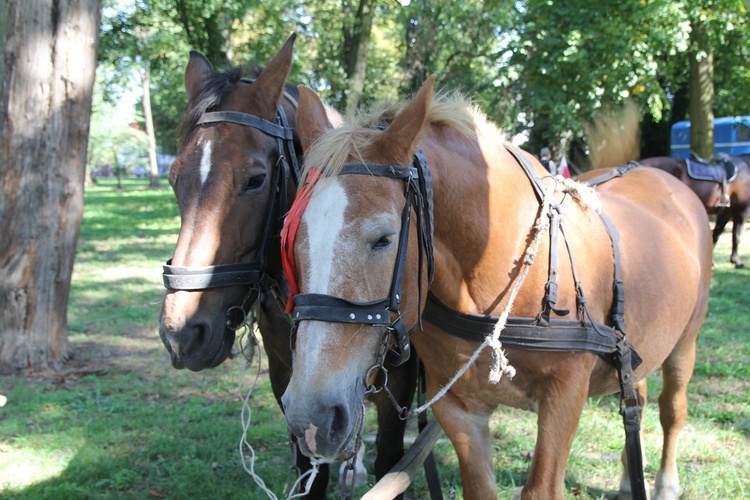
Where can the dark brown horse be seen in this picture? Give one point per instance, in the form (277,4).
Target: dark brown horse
(374,219)
(234,178)
(738,192)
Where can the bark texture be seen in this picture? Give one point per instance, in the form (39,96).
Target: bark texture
(357,31)
(701,92)
(49,60)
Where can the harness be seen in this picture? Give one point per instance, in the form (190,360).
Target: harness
(542,333)
(253,274)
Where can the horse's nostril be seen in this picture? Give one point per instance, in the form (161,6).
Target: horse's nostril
(194,336)
(340,422)
(201,331)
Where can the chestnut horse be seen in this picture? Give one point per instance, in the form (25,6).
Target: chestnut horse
(234,178)
(352,248)
(738,192)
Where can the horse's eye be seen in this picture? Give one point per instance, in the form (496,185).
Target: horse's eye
(255,182)
(383,242)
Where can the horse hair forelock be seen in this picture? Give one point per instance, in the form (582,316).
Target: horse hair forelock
(334,147)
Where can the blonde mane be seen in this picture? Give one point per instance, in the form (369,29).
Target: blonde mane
(334,147)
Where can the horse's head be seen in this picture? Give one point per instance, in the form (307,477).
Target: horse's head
(230,179)
(357,268)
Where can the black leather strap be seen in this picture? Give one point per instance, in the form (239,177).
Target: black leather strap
(536,181)
(631,417)
(199,278)
(320,307)
(425,188)
(380,170)
(248,120)
(618,291)
(523,333)
(613,174)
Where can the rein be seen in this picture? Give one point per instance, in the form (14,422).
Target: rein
(320,307)
(252,274)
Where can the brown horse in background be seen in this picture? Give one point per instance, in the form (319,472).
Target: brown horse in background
(738,192)
(349,251)
(234,179)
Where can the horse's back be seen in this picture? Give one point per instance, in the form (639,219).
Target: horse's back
(667,164)
(666,250)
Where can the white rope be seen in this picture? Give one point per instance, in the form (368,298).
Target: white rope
(245,448)
(500,364)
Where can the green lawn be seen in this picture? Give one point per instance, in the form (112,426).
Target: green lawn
(120,422)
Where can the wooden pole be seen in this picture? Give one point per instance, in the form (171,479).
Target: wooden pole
(401,475)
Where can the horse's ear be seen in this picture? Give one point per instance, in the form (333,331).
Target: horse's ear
(198,71)
(405,130)
(271,80)
(312,119)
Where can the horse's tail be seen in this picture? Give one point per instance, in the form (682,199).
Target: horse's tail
(614,136)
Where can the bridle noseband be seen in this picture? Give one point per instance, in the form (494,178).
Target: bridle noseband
(253,274)
(384,313)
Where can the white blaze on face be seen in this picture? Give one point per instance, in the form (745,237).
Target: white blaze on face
(205,166)
(324,218)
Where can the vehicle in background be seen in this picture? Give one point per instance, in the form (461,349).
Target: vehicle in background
(731,136)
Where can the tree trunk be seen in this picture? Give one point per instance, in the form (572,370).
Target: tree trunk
(48,77)
(153,166)
(701,92)
(356,44)
(217,28)
(421,36)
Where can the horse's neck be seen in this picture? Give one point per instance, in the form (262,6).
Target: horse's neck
(485,208)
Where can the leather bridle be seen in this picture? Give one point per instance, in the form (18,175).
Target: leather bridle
(385,312)
(252,274)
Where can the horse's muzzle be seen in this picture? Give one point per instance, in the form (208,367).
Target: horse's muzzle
(324,431)
(196,347)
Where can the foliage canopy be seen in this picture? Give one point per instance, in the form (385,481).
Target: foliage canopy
(537,67)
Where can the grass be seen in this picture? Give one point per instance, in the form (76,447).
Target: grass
(119,422)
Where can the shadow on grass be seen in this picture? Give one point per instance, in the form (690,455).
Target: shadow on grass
(145,433)
(115,305)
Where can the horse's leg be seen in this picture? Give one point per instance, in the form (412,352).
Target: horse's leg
(402,382)
(722,217)
(561,402)
(469,433)
(626,492)
(738,223)
(676,372)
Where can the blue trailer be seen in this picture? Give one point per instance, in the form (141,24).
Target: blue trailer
(731,136)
